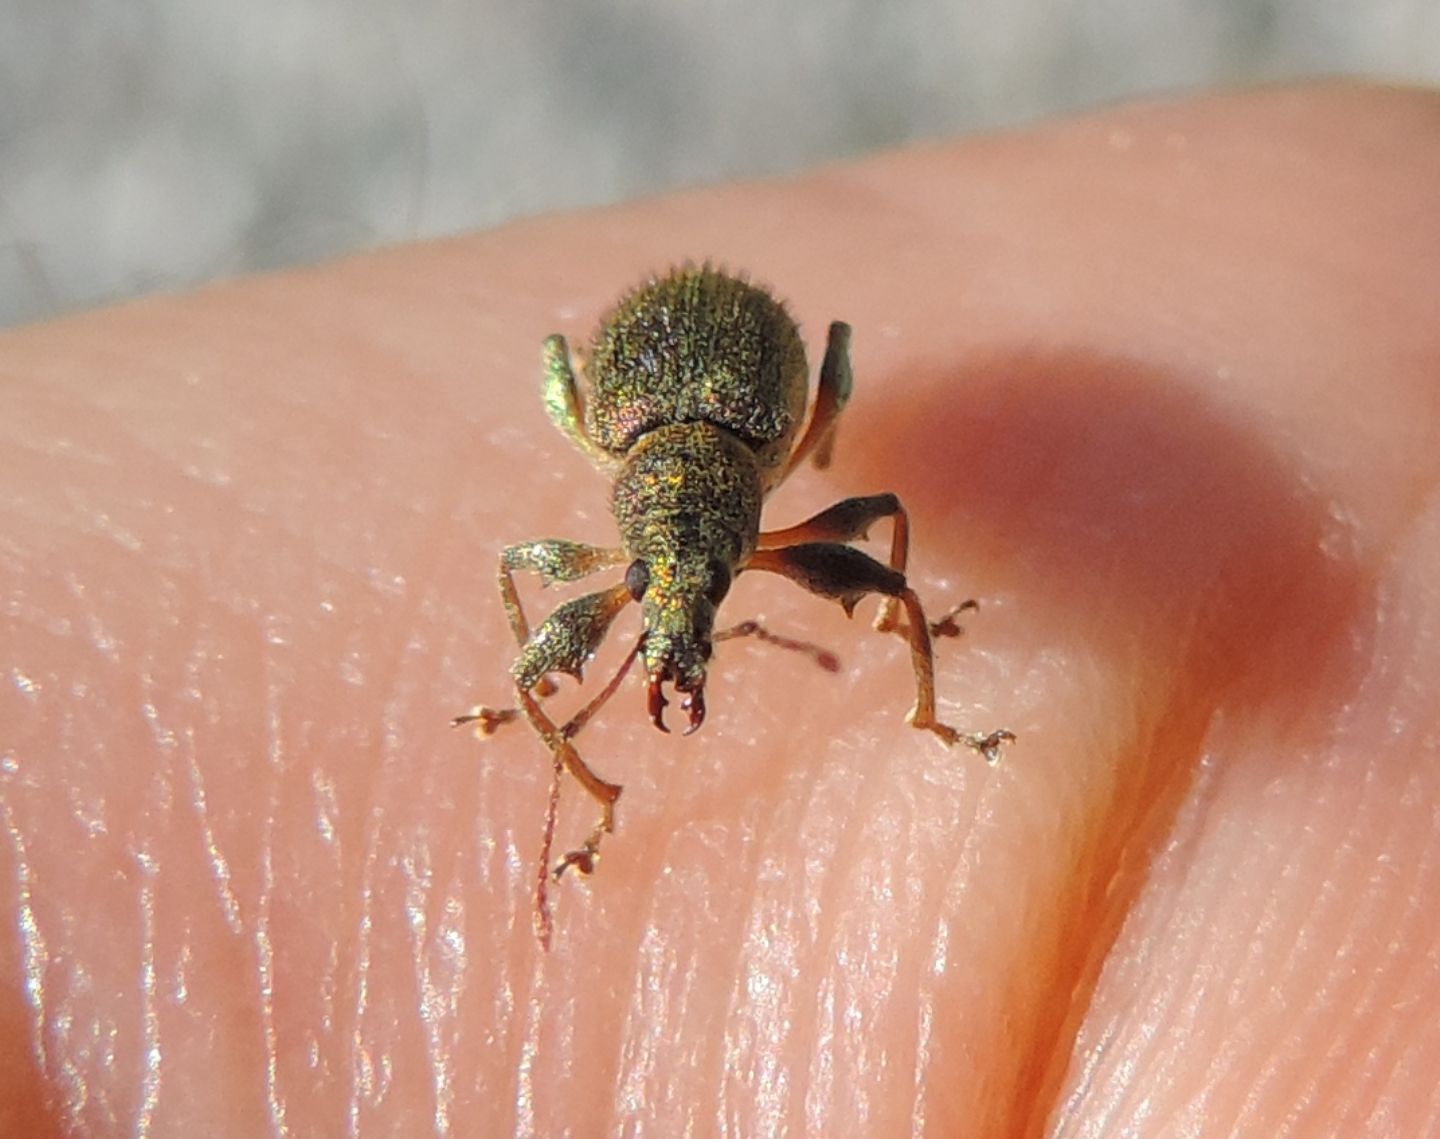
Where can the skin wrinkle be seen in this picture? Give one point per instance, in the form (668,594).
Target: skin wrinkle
(420,875)
(265,893)
(1129,1103)
(524,1089)
(681,905)
(34,955)
(1122,831)
(1365,925)
(418,882)
(150,1014)
(1358,924)
(959,869)
(821,921)
(883,955)
(833,953)
(361,1061)
(218,865)
(767,1074)
(493,1022)
(827,783)
(928,949)
(920,899)
(745,1037)
(384,678)
(647,1011)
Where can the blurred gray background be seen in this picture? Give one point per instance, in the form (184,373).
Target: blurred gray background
(154,144)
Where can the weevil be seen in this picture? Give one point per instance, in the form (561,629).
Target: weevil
(694,404)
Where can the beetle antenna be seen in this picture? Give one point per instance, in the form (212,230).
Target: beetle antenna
(581,718)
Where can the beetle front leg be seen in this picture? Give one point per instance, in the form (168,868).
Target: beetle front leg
(565,758)
(846,575)
(553,560)
(565,642)
(605,793)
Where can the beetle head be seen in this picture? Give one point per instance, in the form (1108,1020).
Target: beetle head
(687,505)
(678,598)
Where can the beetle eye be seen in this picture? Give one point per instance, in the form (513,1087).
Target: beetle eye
(637,578)
(719,584)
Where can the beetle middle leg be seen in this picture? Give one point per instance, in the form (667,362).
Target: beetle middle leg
(831,395)
(564,642)
(846,575)
(850,520)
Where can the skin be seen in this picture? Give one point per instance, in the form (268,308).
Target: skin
(1158,387)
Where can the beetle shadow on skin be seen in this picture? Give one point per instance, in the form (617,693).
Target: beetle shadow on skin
(1178,549)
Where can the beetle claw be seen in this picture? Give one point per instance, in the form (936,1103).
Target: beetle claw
(657,702)
(694,703)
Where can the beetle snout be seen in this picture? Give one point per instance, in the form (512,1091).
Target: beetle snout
(693,703)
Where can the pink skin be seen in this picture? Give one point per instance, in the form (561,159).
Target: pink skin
(1160,387)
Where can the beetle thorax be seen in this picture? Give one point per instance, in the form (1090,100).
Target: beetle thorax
(687,503)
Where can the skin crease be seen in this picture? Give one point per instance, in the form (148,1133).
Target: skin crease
(1160,387)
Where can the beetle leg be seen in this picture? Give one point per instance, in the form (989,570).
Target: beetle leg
(846,575)
(552,560)
(566,758)
(567,639)
(604,793)
(821,656)
(564,642)
(831,395)
(561,395)
(849,520)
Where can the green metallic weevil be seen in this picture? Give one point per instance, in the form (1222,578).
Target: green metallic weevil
(697,386)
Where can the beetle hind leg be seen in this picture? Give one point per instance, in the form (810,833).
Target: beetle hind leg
(850,520)
(561,395)
(831,395)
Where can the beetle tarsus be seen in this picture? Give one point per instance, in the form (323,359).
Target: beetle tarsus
(582,861)
(486,720)
(948,626)
(989,745)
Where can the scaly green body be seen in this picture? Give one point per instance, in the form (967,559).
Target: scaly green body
(687,502)
(695,395)
(695,391)
(698,346)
